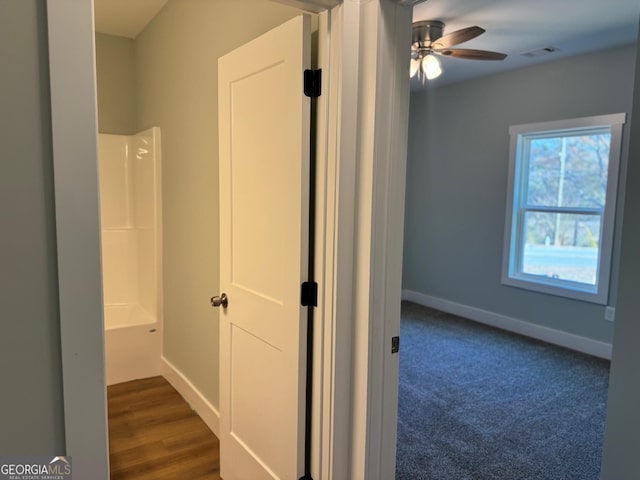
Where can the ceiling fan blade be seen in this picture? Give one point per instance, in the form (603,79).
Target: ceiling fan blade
(471,54)
(459,36)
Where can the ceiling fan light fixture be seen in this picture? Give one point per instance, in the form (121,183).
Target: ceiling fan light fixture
(431,67)
(426,66)
(428,41)
(415,66)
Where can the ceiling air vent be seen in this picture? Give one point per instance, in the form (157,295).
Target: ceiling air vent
(540,52)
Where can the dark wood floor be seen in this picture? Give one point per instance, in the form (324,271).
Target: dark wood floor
(154,434)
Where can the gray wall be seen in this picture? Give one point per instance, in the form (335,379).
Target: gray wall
(622,437)
(116,79)
(457,181)
(31,416)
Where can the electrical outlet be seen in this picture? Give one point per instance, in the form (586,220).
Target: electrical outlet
(609,313)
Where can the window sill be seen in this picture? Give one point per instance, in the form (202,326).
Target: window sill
(541,285)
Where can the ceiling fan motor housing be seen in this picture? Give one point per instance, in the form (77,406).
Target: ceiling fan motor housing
(427,31)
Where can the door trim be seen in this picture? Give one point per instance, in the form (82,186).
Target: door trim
(75,165)
(374,99)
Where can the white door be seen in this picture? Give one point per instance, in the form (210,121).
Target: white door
(264,201)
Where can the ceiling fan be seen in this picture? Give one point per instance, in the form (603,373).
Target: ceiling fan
(428,41)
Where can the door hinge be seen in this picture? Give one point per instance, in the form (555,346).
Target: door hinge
(309,295)
(313,83)
(395,344)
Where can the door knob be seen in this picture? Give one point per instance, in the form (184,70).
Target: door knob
(220,300)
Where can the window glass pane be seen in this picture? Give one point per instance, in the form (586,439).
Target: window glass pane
(568,171)
(561,246)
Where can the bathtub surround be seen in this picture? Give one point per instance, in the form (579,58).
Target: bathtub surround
(131,214)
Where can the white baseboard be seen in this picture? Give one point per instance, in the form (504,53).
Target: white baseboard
(550,335)
(207,412)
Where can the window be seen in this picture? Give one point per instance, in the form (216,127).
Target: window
(563,179)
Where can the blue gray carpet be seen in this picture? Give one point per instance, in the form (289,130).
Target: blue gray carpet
(478,403)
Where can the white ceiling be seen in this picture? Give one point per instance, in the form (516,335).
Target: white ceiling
(125,18)
(517,26)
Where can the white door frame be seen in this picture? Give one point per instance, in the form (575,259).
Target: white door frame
(361,166)
(361,178)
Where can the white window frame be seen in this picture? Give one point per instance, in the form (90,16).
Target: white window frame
(511,272)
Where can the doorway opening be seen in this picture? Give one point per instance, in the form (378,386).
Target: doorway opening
(163,78)
(454,236)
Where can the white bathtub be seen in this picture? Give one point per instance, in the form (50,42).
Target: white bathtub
(133,343)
